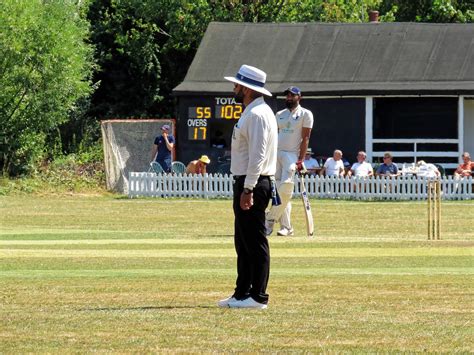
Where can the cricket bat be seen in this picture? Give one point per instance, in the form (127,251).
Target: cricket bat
(307,208)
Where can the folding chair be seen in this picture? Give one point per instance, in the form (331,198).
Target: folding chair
(223,169)
(441,170)
(156,168)
(178,168)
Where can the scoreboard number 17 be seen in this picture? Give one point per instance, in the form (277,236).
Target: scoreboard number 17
(199,133)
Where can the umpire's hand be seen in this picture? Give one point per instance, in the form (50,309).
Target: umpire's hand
(246,201)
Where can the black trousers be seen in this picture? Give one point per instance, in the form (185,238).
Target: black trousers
(251,243)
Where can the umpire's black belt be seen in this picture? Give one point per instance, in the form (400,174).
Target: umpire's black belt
(242,177)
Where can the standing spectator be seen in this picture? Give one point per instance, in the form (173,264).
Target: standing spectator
(361,168)
(387,168)
(253,164)
(310,163)
(333,166)
(294,129)
(466,167)
(162,147)
(198,166)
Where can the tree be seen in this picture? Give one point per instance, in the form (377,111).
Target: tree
(441,11)
(127,49)
(44,69)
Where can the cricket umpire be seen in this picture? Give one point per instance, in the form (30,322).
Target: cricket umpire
(253,164)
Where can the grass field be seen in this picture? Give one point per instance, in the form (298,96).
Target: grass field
(101,273)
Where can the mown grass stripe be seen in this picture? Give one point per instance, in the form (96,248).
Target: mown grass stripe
(220,272)
(228,240)
(228,251)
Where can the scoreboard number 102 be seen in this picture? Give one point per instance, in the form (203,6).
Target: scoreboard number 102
(229,112)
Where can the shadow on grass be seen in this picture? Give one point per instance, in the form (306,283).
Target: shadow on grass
(143,308)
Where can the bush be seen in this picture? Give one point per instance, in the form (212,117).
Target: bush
(83,172)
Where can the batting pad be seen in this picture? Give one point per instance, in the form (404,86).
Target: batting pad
(286,191)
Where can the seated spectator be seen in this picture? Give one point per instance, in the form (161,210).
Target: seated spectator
(198,166)
(465,168)
(333,166)
(347,165)
(361,168)
(310,163)
(427,170)
(387,168)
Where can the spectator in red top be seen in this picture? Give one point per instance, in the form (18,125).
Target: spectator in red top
(465,169)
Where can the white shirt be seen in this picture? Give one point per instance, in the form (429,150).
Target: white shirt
(290,126)
(362,169)
(427,170)
(333,167)
(311,163)
(254,143)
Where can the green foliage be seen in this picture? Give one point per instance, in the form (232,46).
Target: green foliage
(442,11)
(127,54)
(345,11)
(73,173)
(44,68)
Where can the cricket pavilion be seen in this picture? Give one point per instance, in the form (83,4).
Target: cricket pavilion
(407,88)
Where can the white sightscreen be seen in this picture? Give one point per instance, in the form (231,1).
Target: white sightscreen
(127,147)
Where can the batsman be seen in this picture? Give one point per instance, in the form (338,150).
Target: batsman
(294,130)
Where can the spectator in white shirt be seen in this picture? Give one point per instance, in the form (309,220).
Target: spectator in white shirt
(361,168)
(333,166)
(427,170)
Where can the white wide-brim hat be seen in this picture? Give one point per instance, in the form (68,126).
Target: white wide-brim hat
(252,78)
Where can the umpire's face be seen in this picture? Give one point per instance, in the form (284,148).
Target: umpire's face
(239,93)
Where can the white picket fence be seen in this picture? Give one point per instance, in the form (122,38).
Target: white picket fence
(378,188)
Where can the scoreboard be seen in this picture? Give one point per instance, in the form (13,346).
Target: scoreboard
(204,126)
(200,118)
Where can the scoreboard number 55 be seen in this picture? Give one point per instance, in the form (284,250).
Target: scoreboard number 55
(203,112)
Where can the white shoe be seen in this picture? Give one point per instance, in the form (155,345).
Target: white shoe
(285,232)
(247,303)
(225,302)
(269,227)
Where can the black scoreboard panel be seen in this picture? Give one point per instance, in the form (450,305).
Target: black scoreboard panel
(205,125)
